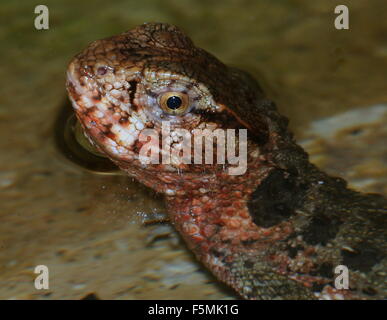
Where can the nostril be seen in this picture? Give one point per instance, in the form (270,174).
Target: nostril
(102,71)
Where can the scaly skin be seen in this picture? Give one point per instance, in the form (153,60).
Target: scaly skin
(275,232)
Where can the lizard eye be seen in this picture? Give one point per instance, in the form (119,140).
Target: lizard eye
(174,102)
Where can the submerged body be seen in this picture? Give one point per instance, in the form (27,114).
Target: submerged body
(277,231)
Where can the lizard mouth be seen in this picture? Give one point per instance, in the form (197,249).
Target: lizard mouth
(74,147)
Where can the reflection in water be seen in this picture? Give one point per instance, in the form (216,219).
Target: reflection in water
(72,143)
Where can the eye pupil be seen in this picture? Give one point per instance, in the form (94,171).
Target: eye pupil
(174,102)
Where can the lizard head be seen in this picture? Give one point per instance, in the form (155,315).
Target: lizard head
(147,90)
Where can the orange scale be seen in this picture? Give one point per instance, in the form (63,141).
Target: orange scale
(233,223)
(196,202)
(237,194)
(244,214)
(267,232)
(208,206)
(191,229)
(208,231)
(197,238)
(230,211)
(197,210)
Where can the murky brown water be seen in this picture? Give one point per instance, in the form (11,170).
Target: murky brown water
(88,228)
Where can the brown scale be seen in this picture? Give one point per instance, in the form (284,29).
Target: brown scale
(278,230)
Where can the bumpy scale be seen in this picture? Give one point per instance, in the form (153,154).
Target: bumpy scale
(275,232)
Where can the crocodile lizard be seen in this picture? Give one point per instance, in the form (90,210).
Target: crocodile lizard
(278,230)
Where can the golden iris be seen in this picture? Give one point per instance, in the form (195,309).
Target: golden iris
(174,102)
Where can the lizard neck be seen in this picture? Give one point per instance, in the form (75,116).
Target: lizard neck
(288,225)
